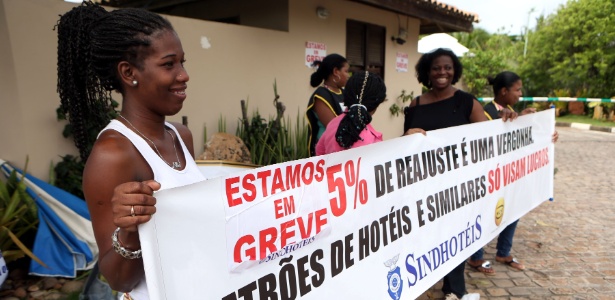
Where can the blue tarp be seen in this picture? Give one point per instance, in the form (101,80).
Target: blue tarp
(65,239)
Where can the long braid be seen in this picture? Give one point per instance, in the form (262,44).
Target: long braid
(73,62)
(364,92)
(91,42)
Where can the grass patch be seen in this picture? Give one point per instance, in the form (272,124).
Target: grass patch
(584,120)
(73,296)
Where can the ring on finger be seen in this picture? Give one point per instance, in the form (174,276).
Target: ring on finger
(132,210)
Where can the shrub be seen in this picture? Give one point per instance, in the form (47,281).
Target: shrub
(274,140)
(18,218)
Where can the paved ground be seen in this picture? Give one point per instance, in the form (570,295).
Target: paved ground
(568,246)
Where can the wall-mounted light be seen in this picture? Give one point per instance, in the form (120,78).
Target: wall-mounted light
(398,40)
(401,36)
(322,12)
(402,33)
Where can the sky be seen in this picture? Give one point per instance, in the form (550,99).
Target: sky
(511,15)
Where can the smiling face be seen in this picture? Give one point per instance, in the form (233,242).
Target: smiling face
(513,93)
(441,72)
(161,77)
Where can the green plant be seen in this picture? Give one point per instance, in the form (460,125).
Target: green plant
(18,217)
(269,144)
(68,175)
(538,105)
(221,124)
(561,106)
(300,135)
(579,57)
(68,171)
(607,108)
(400,102)
(274,140)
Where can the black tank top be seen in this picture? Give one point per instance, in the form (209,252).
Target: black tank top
(453,111)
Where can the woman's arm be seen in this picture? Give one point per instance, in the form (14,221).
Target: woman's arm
(555,136)
(507,114)
(415,130)
(323,111)
(529,110)
(117,178)
(478,113)
(406,112)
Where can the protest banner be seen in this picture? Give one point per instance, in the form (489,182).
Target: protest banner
(387,220)
(314,51)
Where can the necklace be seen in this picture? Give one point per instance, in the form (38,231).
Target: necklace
(176,164)
(329,88)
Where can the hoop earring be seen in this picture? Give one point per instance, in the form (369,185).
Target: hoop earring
(134,83)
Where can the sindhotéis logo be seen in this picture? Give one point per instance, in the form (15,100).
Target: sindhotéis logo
(394,278)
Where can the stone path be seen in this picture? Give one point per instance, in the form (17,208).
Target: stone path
(568,245)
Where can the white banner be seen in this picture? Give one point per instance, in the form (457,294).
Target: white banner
(379,221)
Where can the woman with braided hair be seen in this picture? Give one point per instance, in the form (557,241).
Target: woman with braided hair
(325,103)
(138,54)
(364,93)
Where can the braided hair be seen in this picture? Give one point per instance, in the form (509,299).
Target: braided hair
(363,94)
(91,43)
(326,67)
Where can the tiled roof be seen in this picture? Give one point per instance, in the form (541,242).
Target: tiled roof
(451,9)
(435,16)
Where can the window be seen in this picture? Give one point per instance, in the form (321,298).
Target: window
(365,47)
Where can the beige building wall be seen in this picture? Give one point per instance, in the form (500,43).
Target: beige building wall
(226,63)
(28,98)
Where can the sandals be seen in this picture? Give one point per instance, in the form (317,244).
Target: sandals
(511,262)
(483,266)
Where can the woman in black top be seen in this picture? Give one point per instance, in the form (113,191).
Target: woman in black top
(441,107)
(326,101)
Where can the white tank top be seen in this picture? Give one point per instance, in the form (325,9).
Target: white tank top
(163,173)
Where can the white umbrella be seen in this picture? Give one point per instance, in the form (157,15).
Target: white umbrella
(441,40)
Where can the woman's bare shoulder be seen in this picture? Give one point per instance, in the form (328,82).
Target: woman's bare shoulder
(112,145)
(183,130)
(113,153)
